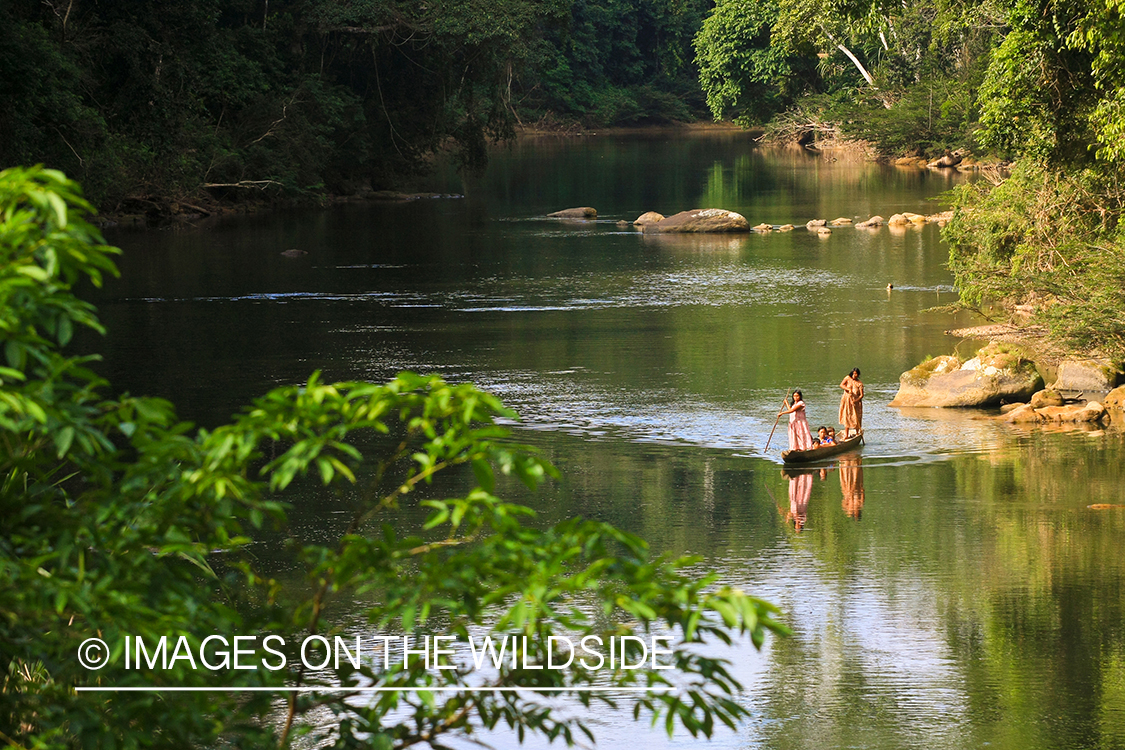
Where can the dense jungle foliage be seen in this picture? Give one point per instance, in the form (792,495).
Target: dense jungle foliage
(1034,81)
(154,100)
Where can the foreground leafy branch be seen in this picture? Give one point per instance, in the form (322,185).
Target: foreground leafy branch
(119,522)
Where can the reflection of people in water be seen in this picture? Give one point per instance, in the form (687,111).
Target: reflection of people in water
(800,488)
(851,484)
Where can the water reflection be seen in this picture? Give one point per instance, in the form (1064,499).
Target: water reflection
(800,488)
(801,481)
(851,484)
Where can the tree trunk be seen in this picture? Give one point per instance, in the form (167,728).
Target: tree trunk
(855,61)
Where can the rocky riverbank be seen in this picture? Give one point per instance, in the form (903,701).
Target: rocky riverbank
(1026,386)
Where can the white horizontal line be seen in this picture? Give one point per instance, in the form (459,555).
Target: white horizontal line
(357,689)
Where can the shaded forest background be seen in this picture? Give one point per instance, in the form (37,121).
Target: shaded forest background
(150,102)
(153,99)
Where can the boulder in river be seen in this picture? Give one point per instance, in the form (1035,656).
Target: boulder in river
(1046,397)
(996,374)
(874,221)
(1023,414)
(843,221)
(584,212)
(1089,412)
(815,223)
(1115,399)
(764,227)
(702,220)
(648,217)
(1093,375)
(949,159)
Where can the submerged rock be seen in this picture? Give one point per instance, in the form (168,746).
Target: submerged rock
(701,220)
(996,374)
(763,227)
(584,212)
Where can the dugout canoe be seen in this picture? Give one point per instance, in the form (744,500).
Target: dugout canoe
(824,451)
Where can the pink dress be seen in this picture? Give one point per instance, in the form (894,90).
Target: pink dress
(800,439)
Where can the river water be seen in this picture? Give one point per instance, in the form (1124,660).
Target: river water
(948,586)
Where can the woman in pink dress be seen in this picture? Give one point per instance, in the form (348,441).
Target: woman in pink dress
(800,439)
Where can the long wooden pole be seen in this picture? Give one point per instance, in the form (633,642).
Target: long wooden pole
(777,420)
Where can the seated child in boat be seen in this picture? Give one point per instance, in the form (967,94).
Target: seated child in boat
(824,436)
(816,442)
(832,434)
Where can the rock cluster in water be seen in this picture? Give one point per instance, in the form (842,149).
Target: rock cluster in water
(996,374)
(999,374)
(717,220)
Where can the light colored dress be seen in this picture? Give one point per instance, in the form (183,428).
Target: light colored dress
(851,404)
(800,439)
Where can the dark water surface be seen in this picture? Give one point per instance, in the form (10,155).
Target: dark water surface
(948,587)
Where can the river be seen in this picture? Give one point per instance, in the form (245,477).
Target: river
(948,586)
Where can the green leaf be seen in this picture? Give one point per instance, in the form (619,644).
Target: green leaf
(63,439)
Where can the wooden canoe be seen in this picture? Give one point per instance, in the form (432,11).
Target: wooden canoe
(824,451)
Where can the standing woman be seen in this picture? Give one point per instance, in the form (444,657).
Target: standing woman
(851,403)
(800,439)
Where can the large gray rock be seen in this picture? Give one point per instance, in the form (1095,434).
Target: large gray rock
(701,220)
(1093,375)
(585,212)
(994,375)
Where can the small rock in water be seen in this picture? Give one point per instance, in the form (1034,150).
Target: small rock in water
(584,212)
(293,253)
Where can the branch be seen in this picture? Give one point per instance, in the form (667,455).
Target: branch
(258,184)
